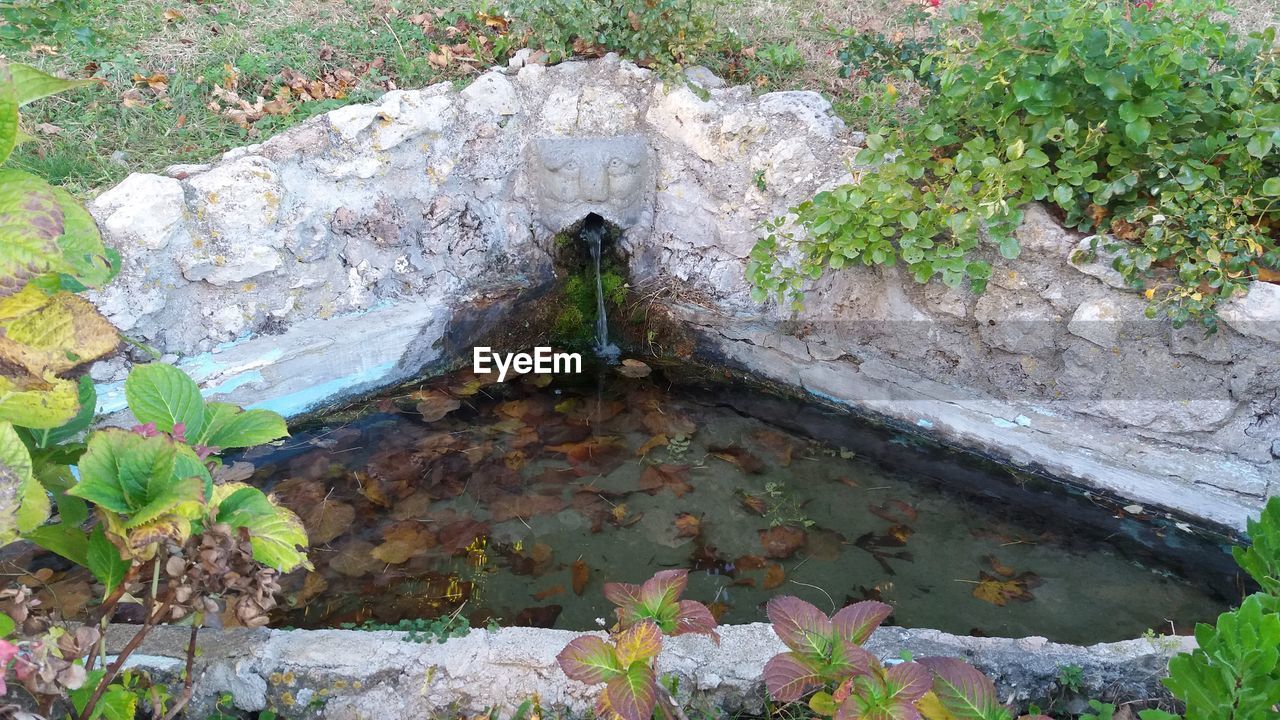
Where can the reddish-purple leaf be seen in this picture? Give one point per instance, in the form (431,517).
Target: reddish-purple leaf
(848,660)
(641,641)
(788,677)
(963,690)
(801,626)
(664,588)
(695,617)
(590,660)
(622,594)
(855,623)
(908,681)
(632,695)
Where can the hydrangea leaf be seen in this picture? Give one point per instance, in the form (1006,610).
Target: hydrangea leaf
(31,221)
(164,395)
(227,426)
(801,626)
(38,403)
(278,537)
(590,660)
(32,84)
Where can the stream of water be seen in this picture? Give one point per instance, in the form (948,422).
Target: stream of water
(593,231)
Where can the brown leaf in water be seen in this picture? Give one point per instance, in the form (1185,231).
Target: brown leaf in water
(634,369)
(327,520)
(371,489)
(514,460)
(549,592)
(312,586)
(754,504)
(580,573)
(543,617)
(536,381)
(774,576)
(671,423)
(458,535)
(403,541)
(775,443)
(589,449)
(673,477)
(899,535)
(738,456)
(999,567)
(525,409)
(414,507)
(825,544)
(999,591)
(541,553)
(895,511)
(782,542)
(688,525)
(750,562)
(525,506)
(848,482)
(354,559)
(718,609)
(654,442)
(433,405)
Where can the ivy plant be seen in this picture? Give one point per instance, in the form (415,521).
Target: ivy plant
(1152,126)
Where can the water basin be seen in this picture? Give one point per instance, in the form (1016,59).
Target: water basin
(520,502)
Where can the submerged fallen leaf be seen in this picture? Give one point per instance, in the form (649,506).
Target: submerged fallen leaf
(403,541)
(634,369)
(510,507)
(672,477)
(998,591)
(327,520)
(754,504)
(688,525)
(718,609)
(895,511)
(355,560)
(774,575)
(580,573)
(312,586)
(775,443)
(750,562)
(782,542)
(999,567)
(738,456)
(549,592)
(654,442)
(434,405)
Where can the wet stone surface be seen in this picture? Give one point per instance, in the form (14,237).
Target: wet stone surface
(516,502)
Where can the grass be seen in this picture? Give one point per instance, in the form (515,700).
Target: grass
(164,63)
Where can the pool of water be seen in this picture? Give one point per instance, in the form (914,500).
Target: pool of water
(517,501)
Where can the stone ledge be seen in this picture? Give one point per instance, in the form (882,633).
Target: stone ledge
(346,674)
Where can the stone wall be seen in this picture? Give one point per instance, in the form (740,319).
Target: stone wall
(333,258)
(354,675)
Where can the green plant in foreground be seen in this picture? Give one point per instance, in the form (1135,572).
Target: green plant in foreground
(1234,674)
(1155,125)
(139,509)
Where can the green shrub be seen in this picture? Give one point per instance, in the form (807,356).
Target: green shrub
(1235,672)
(666,34)
(1157,126)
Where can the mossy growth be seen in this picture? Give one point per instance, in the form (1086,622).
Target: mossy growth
(575,323)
